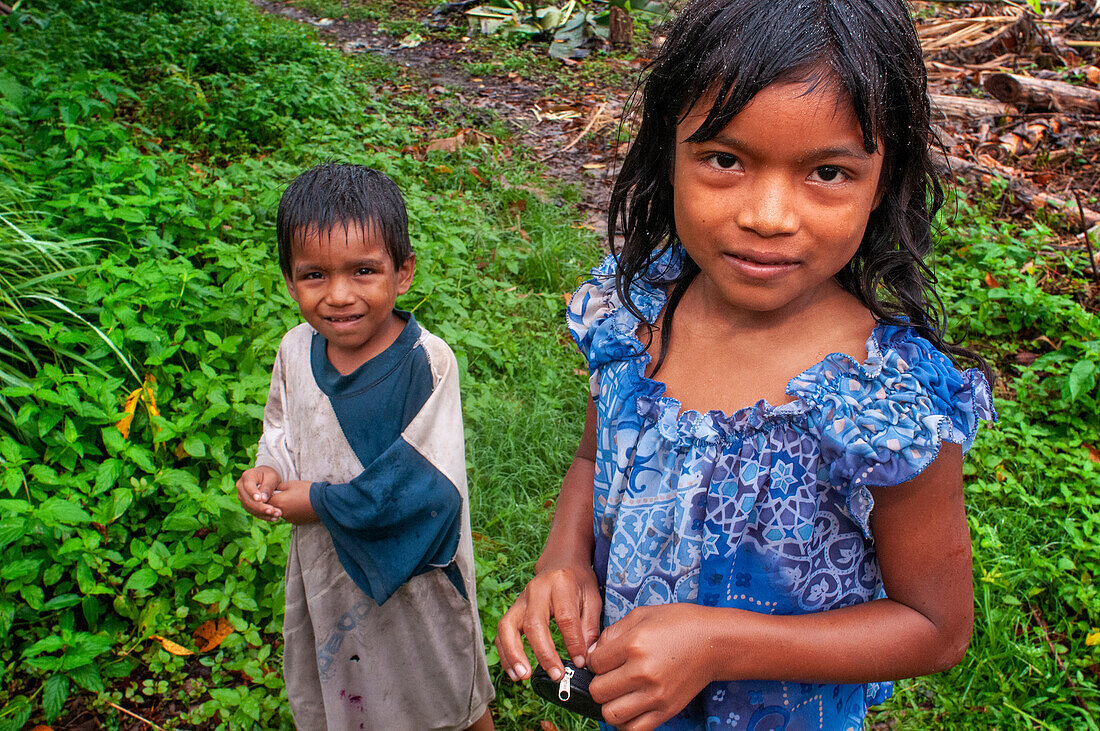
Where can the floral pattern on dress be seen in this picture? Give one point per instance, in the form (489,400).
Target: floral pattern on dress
(766,509)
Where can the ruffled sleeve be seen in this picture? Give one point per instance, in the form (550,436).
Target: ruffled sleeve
(882,423)
(599,323)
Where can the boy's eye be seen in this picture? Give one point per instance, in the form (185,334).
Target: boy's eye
(723,161)
(311,275)
(364,271)
(828,174)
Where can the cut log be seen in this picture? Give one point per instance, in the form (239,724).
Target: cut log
(1042,94)
(967,107)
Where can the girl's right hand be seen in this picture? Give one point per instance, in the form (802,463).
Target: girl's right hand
(568,593)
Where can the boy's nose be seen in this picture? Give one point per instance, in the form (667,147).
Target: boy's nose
(339,292)
(770,207)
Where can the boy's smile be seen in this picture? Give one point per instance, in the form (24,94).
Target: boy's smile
(345,284)
(776,203)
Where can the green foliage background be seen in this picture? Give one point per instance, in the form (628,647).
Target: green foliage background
(165,130)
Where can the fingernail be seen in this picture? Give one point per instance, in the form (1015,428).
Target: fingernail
(511,674)
(591,648)
(578,660)
(519,670)
(255,496)
(555,674)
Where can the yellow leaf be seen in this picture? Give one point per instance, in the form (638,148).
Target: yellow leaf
(172,647)
(1093,638)
(129,407)
(212,633)
(145,395)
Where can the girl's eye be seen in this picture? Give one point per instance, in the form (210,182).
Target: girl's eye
(829,174)
(723,161)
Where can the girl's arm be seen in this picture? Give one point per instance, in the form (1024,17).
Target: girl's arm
(656,659)
(564,586)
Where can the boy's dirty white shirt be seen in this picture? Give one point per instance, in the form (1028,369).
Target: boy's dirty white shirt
(415,662)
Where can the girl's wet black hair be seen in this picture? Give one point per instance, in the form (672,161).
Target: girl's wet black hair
(337,194)
(730,50)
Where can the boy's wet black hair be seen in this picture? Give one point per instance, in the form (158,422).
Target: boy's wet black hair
(337,194)
(729,51)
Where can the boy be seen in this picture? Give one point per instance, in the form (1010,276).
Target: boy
(362,450)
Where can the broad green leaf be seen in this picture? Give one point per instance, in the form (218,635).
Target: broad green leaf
(55,691)
(245,601)
(209,596)
(1081,378)
(62,511)
(53,643)
(88,678)
(108,474)
(11,529)
(21,569)
(140,580)
(194,446)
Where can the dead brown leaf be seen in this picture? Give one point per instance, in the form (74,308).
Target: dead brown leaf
(210,634)
(991,281)
(1094,453)
(447,144)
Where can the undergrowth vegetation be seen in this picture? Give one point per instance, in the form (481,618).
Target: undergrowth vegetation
(141,170)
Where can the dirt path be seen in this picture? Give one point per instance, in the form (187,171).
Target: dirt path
(572,137)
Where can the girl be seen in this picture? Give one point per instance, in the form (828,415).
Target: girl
(765,512)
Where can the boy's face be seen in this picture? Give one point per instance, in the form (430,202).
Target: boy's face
(345,284)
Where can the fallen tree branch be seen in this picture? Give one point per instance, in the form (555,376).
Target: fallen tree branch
(591,121)
(968,107)
(1088,241)
(131,713)
(1042,94)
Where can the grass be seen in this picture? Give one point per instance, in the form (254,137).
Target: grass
(170,144)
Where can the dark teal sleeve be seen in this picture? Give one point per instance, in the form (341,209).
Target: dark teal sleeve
(399,518)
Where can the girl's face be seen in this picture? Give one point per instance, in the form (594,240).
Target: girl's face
(777,203)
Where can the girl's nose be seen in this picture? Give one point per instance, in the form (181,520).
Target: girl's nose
(770,208)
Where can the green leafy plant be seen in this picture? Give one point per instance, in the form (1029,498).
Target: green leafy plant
(568,27)
(40,321)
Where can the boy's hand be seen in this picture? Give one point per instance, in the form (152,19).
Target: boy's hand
(254,490)
(292,500)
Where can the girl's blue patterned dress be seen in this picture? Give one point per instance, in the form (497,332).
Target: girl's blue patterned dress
(768,508)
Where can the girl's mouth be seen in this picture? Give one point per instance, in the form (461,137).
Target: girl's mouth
(760,265)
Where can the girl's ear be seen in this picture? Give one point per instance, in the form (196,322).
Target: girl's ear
(405,274)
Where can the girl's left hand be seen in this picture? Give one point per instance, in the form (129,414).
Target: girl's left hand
(651,663)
